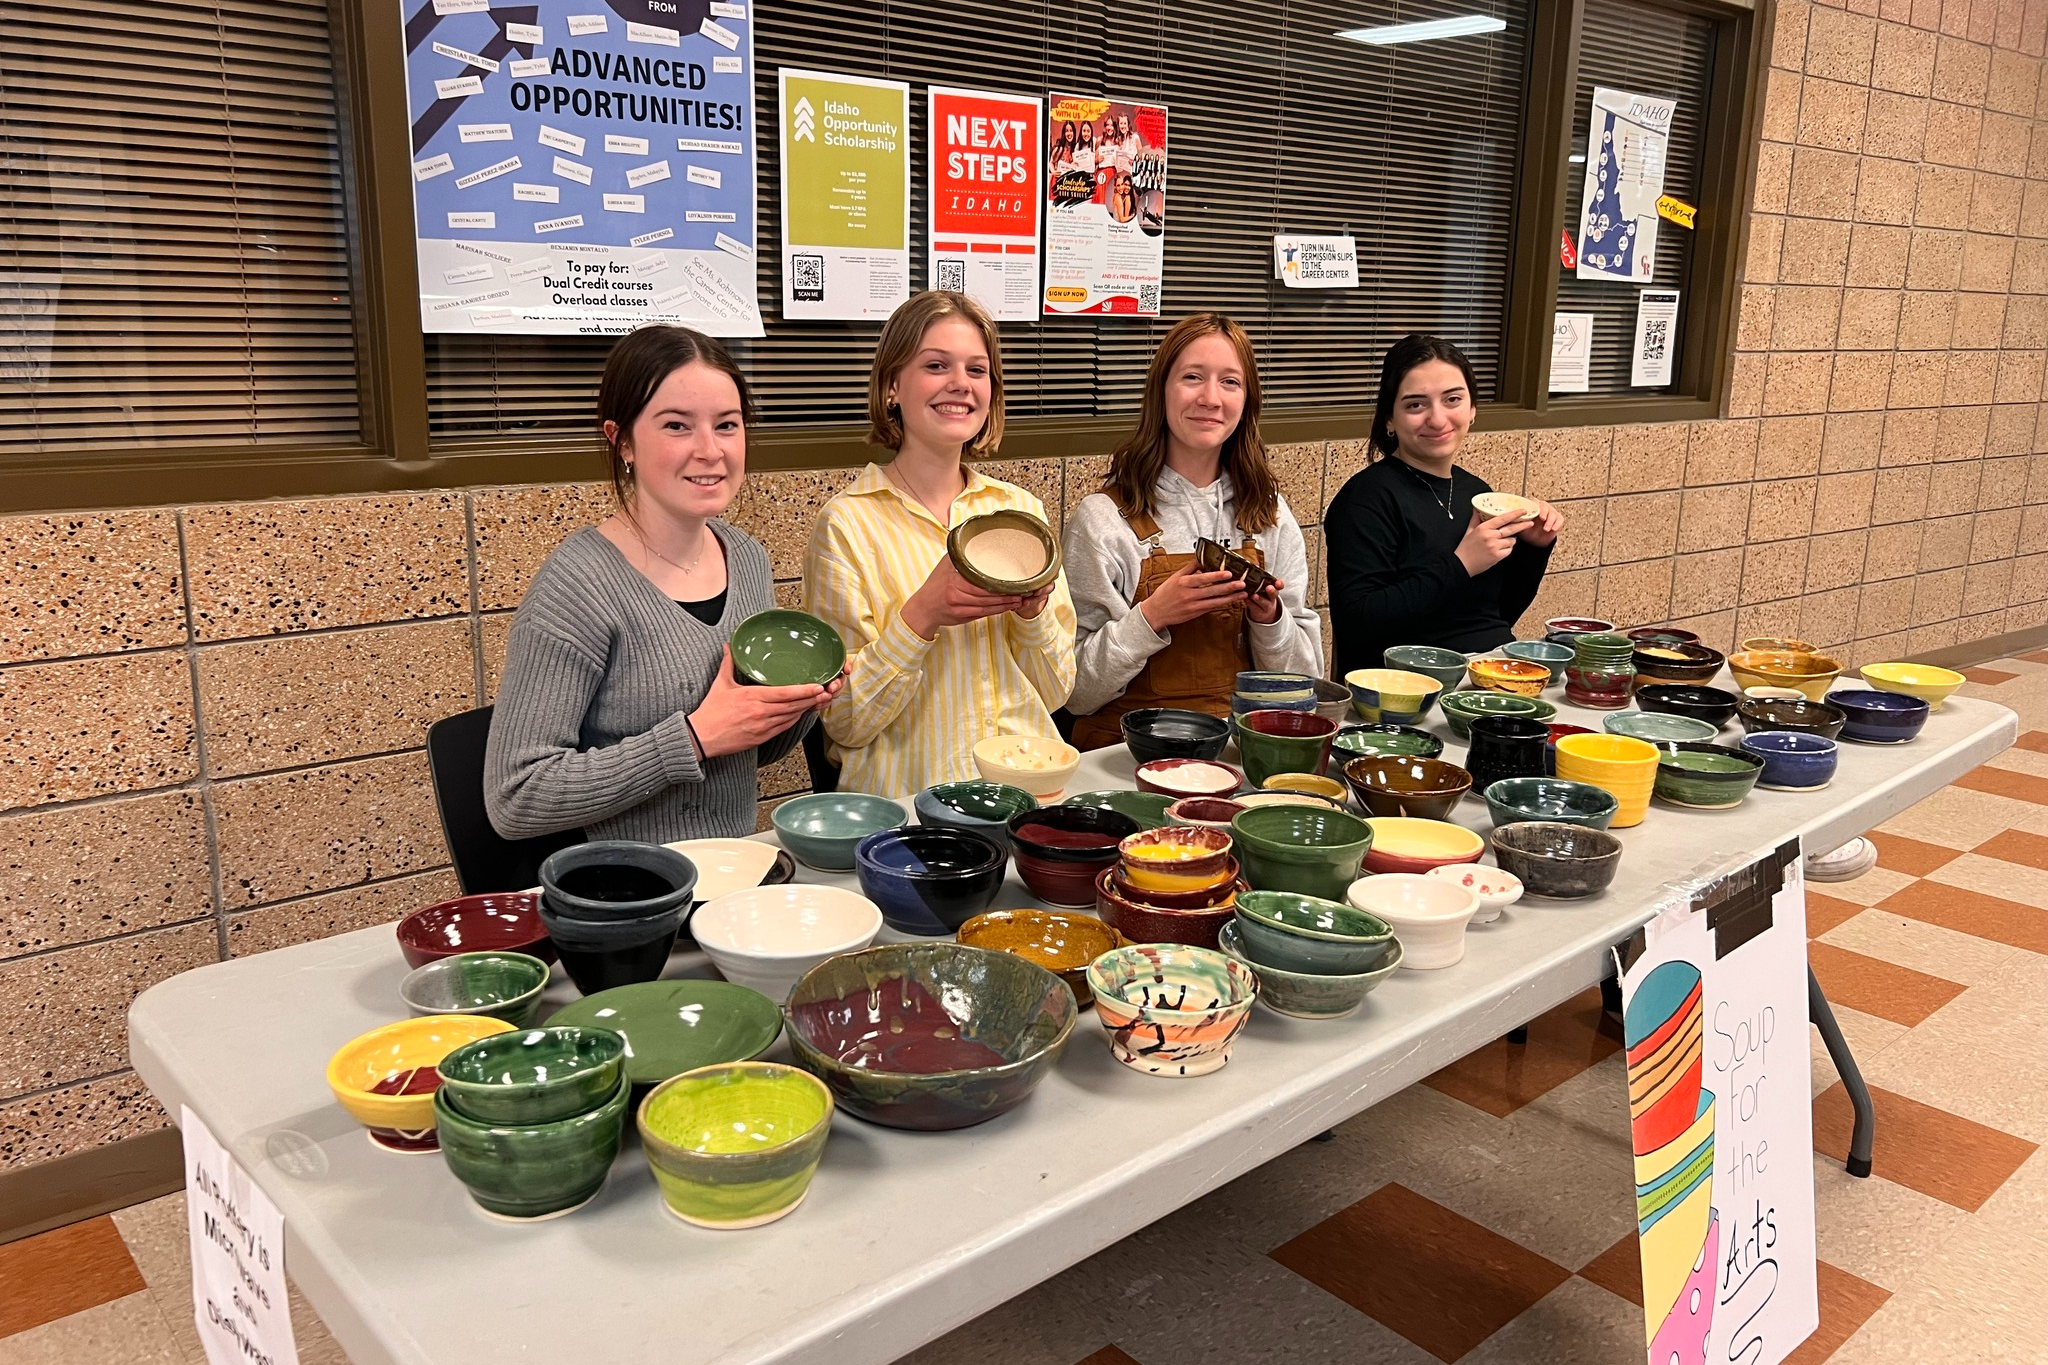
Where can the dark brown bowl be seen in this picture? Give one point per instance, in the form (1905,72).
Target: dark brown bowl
(1425,788)
(1714,705)
(1211,556)
(1759,714)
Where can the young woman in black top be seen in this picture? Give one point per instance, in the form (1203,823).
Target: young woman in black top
(1411,561)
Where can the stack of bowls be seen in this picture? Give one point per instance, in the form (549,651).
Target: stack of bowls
(1311,851)
(1272,742)
(1930,684)
(1462,708)
(1367,741)
(1560,862)
(1172,885)
(1404,844)
(1551,655)
(1810,674)
(735,1146)
(1518,677)
(1625,767)
(984,807)
(530,1120)
(1713,705)
(1566,630)
(613,909)
(1447,666)
(1064,944)
(1171,1010)
(1273,692)
(1314,958)
(1391,696)
(931,879)
(1061,850)
(1427,788)
(1706,776)
(767,937)
(1164,732)
(1429,913)
(823,829)
(1879,717)
(1795,714)
(1516,799)
(1671,661)
(1602,673)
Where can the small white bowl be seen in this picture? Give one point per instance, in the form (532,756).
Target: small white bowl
(1497,889)
(768,937)
(1039,764)
(1429,914)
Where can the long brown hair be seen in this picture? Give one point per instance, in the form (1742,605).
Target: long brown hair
(1134,466)
(902,338)
(636,367)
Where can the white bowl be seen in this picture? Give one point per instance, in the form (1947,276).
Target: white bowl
(768,937)
(1039,764)
(1429,914)
(1496,888)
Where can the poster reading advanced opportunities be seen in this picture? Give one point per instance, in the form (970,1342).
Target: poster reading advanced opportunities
(583,165)
(985,200)
(1105,223)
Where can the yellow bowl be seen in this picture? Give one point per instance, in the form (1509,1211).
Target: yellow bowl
(1403,843)
(1040,764)
(1516,676)
(1618,764)
(397,1050)
(1150,878)
(1812,674)
(1930,684)
(1312,784)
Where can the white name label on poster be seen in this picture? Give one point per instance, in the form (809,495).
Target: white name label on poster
(1649,362)
(466,58)
(528,66)
(472,220)
(1571,353)
(461,6)
(238,1292)
(581,25)
(649,174)
(653,33)
(458,86)
(484,132)
(1316,262)
(625,146)
(559,140)
(433,166)
(719,33)
(523,33)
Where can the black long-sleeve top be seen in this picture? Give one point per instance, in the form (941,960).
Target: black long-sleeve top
(1395,577)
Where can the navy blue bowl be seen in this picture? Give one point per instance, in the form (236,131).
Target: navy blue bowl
(929,879)
(1879,717)
(1793,761)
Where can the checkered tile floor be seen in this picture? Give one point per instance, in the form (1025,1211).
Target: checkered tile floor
(1485,1216)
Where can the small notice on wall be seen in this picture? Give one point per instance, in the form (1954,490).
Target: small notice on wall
(238,1291)
(1627,136)
(1316,262)
(1571,353)
(1649,363)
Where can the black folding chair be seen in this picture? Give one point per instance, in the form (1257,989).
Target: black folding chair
(484,859)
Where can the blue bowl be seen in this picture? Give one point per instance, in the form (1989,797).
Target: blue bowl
(1552,656)
(1254,684)
(1792,761)
(1245,702)
(929,879)
(1879,717)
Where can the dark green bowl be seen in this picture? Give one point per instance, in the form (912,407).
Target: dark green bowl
(1705,776)
(1514,800)
(1147,808)
(781,648)
(534,1075)
(1369,741)
(523,1171)
(1304,849)
(984,807)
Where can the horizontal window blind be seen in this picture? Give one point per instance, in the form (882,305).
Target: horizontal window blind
(174,265)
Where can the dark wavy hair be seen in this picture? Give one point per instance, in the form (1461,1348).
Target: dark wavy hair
(636,368)
(1403,356)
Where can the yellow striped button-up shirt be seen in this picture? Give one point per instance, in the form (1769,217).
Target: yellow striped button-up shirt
(913,708)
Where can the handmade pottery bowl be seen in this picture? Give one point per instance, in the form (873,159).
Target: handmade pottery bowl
(1706,776)
(1773,644)
(1516,799)
(1661,635)
(1462,708)
(728,865)
(1060,849)
(767,938)
(1559,730)
(984,807)
(1792,761)
(1496,888)
(1447,666)
(1670,662)
(1711,704)
(1309,995)
(1598,649)
(386,1078)
(1403,844)
(1498,504)
(1258,799)
(931,879)
(1660,728)
(1300,848)
(498,922)
(1304,700)
(1812,674)
(1930,684)
(1158,918)
(735,1146)
(929,1035)
(526,1172)
(1176,858)
(1147,808)
(1799,715)
(601,954)
(1552,656)
(1063,944)
(534,1075)
(1599,689)
(1391,696)
(1255,684)
(496,985)
(1879,717)
(823,829)
(1270,742)
(1310,934)
(1773,693)
(1211,555)
(614,881)
(1184,778)
(1558,862)
(1566,630)
(1365,741)
(1171,1010)
(1040,764)
(679,1025)
(1309,784)
(1516,676)
(1623,766)
(1204,812)
(1506,746)
(1333,700)
(783,648)
(1427,788)
(1161,732)
(1009,552)
(1216,893)
(1428,913)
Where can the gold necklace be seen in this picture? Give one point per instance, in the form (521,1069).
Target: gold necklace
(686,568)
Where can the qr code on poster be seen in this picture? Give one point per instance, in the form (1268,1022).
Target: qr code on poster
(952,274)
(807,278)
(1148,298)
(1656,336)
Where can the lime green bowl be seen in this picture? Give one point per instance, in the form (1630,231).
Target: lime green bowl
(735,1146)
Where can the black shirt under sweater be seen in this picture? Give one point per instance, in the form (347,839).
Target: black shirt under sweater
(1394,573)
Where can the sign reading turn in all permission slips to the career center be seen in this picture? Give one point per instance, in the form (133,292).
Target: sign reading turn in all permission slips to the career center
(986,154)
(845,195)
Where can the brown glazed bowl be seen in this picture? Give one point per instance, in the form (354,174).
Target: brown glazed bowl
(1427,788)
(1662,661)
(1063,944)
(1141,923)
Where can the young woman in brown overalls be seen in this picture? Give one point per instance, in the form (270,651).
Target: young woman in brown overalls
(1153,629)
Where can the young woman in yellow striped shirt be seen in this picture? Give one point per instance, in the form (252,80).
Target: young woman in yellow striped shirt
(935,663)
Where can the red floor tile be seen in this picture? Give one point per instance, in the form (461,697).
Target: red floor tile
(1619,1270)
(2016,846)
(2004,782)
(1846,1303)
(1502,1076)
(1825,912)
(2039,656)
(1990,677)
(64,1271)
(1942,1155)
(1435,1277)
(1108,1355)
(1877,987)
(1910,856)
(1972,912)
(2037,740)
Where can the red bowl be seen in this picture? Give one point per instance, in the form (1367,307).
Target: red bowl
(1066,883)
(1558,730)
(496,922)
(1206,898)
(1155,924)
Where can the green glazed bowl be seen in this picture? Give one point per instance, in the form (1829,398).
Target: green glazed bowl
(782,648)
(1270,742)
(1306,849)
(496,985)
(1552,800)
(1660,728)
(984,807)
(1705,776)
(1147,808)
(524,1172)
(675,1026)
(1447,666)
(823,829)
(735,1146)
(1372,741)
(1309,995)
(1461,708)
(1309,934)
(534,1075)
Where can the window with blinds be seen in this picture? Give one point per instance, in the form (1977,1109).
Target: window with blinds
(174,267)
(1274,125)
(1627,45)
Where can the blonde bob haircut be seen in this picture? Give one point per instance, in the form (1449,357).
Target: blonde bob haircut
(902,338)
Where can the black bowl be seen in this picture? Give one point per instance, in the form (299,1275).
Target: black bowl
(1162,732)
(1803,717)
(1560,862)
(929,879)
(1095,832)
(1710,704)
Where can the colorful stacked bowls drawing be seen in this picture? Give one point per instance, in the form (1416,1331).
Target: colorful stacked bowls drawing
(1672,1123)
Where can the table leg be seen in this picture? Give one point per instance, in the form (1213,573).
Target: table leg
(1519,1034)
(1860,1138)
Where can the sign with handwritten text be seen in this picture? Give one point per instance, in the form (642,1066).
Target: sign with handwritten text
(238,1291)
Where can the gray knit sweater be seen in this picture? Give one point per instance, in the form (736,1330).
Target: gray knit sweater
(601,673)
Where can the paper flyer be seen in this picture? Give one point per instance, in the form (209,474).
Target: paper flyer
(1571,353)
(984,200)
(582,167)
(1316,262)
(845,195)
(1626,140)
(1649,362)
(240,1303)
(1105,227)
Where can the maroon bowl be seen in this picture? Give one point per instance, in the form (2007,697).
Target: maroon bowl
(1205,812)
(1207,898)
(1156,924)
(1558,730)
(496,922)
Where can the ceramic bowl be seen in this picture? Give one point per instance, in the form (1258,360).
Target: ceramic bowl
(1040,764)
(783,648)
(1602,648)
(1305,700)
(1558,862)
(526,1172)
(1773,694)
(1204,812)
(1552,656)
(601,954)
(1427,788)
(1496,888)
(1879,717)
(1270,742)
(1211,555)
(1515,676)
(1660,728)
(929,1035)
(1365,741)
(1171,1010)
(1558,730)
(1623,766)
(1177,858)
(1009,552)
(929,879)
(1181,778)
(1309,995)
(1930,684)
(1310,934)
(1258,799)
(386,1078)
(1670,662)
(1506,746)
(679,1025)
(1602,689)
(1391,696)
(984,807)
(1515,799)
(1403,844)
(1309,784)
(1497,504)
(1799,715)
(1792,761)
(1300,848)
(1566,630)
(1706,776)
(1711,704)
(1147,808)
(534,1075)
(497,922)
(821,830)
(1257,683)
(766,938)
(1447,666)
(496,985)
(1429,914)
(614,881)
(1812,674)
(1160,917)
(1060,849)
(735,1146)
(1773,644)
(728,865)
(1670,635)
(1064,944)
(1462,708)
(1333,700)
(1160,732)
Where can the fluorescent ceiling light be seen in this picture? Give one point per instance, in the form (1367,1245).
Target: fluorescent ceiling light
(1576,160)
(1457,26)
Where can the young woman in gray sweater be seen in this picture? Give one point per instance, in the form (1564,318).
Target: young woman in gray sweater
(618,713)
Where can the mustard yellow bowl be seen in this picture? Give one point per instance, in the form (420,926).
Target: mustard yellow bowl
(386,1078)
(1516,676)
(1811,674)
(1930,684)
(1312,784)
(1622,766)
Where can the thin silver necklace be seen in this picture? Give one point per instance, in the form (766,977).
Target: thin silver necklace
(686,568)
(1441,500)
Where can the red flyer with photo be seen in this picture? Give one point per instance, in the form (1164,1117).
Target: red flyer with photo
(985,176)
(1105,191)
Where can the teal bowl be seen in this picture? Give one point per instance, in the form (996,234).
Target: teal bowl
(1552,656)
(527,1171)
(1706,776)
(821,830)
(1310,934)
(1375,741)
(984,807)
(1310,850)
(1660,728)
(534,1075)
(1513,800)
(782,648)
(1147,808)
(1462,708)
(1309,995)
(1447,666)
(504,986)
